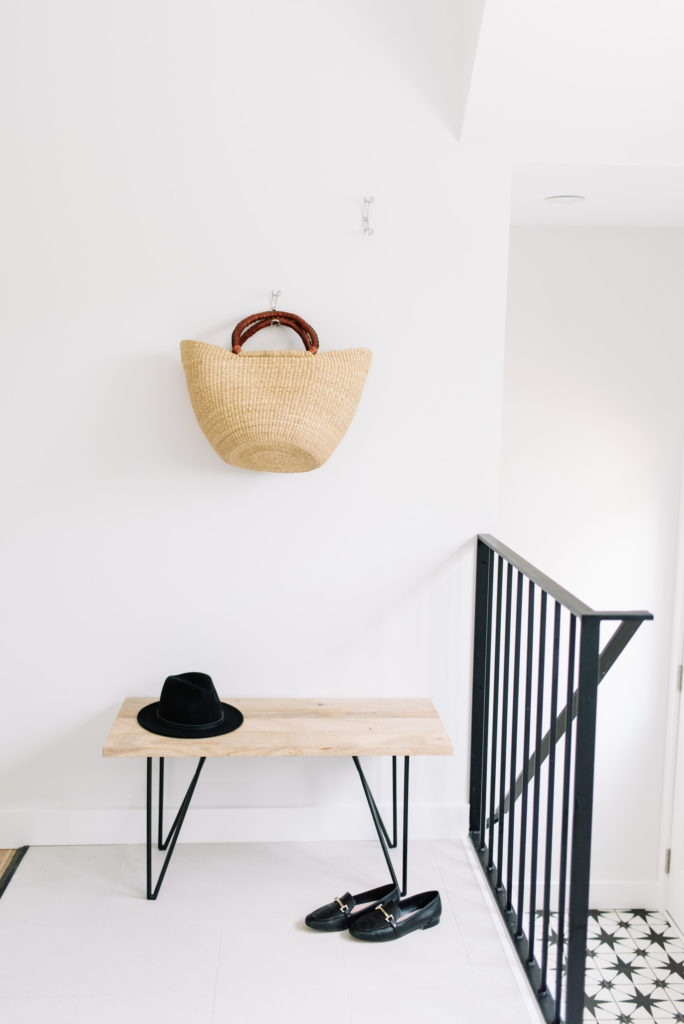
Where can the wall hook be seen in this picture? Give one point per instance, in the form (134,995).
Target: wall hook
(367,229)
(275,295)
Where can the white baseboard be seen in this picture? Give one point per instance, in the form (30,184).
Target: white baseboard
(223,825)
(274,824)
(623,895)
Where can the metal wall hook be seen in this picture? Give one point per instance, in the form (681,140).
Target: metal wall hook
(275,295)
(367,229)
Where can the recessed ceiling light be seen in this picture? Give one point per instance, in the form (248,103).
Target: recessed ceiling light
(564,199)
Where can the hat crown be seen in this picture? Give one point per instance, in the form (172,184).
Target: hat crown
(189,700)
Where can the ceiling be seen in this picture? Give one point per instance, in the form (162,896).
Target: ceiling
(615,195)
(584,97)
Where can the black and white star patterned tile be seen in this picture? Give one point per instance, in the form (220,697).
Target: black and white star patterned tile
(635,968)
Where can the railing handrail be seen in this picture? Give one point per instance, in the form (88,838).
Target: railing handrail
(554,589)
(629,623)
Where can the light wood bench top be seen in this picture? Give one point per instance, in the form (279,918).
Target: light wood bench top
(295,728)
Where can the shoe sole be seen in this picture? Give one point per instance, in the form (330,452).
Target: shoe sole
(394,935)
(317,926)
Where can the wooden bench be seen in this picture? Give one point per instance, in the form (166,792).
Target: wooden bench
(346,727)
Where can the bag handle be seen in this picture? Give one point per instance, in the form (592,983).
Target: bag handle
(257,321)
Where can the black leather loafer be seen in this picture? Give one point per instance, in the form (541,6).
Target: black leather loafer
(338,915)
(393,918)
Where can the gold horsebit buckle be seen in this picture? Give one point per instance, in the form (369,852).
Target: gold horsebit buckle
(343,906)
(388,917)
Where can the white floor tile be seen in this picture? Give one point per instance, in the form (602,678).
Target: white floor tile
(29,1010)
(430,958)
(191,870)
(277,879)
(59,881)
(273,968)
(145,1008)
(360,866)
(176,957)
(309,1003)
(289,952)
(38,960)
(443,1005)
(226,941)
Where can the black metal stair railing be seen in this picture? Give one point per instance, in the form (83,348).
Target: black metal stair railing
(532,765)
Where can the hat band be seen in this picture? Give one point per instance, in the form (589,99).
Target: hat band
(192,728)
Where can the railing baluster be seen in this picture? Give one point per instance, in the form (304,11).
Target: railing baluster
(497,734)
(526,755)
(495,710)
(514,734)
(581,824)
(550,795)
(539,709)
(485,710)
(565,820)
(504,722)
(479,723)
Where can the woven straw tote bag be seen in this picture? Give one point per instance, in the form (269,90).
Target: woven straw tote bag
(276,411)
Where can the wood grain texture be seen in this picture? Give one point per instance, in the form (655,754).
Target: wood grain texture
(295,728)
(5,858)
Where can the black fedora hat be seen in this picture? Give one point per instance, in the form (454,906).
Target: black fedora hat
(189,708)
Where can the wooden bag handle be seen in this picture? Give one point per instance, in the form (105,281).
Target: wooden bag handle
(257,321)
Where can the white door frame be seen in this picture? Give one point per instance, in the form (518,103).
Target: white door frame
(673,756)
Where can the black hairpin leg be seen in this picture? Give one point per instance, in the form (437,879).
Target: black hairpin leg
(404,875)
(174,831)
(392,843)
(383,837)
(178,820)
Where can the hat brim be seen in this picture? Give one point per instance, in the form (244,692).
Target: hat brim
(147,718)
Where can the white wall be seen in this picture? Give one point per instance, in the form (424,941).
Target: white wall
(165,165)
(529,90)
(593,425)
